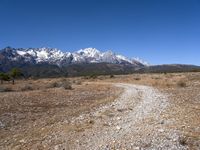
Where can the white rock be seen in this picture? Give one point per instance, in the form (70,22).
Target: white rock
(56,147)
(22,141)
(2,125)
(118,128)
(161,130)
(136,148)
(118,118)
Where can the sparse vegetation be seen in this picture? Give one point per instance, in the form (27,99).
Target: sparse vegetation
(26,87)
(5,89)
(12,75)
(183,141)
(93,76)
(66,85)
(91,121)
(182,83)
(77,82)
(112,76)
(46,107)
(4,77)
(62,83)
(15,73)
(137,78)
(52,85)
(54,105)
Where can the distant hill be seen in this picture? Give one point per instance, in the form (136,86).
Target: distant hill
(169,68)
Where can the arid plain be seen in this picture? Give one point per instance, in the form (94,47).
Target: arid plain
(151,111)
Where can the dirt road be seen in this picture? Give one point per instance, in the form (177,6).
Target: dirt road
(135,120)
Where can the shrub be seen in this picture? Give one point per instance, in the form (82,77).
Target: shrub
(66,85)
(26,88)
(85,77)
(5,89)
(4,77)
(182,84)
(52,85)
(78,82)
(137,78)
(183,141)
(156,78)
(112,76)
(62,83)
(93,76)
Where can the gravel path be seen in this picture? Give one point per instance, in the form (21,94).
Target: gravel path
(136,120)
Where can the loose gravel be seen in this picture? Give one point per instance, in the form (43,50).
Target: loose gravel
(135,120)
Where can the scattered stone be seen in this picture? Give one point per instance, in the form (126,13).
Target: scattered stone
(2,125)
(136,148)
(161,130)
(162,122)
(118,128)
(56,147)
(22,141)
(118,118)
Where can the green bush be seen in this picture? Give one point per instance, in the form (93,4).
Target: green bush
(4,77)
(15,73)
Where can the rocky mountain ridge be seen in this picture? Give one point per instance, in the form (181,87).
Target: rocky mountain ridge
(57,57)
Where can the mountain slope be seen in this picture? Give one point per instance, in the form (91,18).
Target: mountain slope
(49,62)
(57,57)
(44,62)
(167,68)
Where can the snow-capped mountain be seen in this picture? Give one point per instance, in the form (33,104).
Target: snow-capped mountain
(60,58)
(137,59)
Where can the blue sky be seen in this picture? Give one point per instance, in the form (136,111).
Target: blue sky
(158,31)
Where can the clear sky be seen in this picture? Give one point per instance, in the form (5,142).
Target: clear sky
(158,31)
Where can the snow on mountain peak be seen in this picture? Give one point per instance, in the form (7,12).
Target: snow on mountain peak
(141,61)
(89,52)
(123,58)
(42,55)
(22,53)
(58,57)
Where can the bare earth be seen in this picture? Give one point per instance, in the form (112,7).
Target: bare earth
(134,121)
(134,112)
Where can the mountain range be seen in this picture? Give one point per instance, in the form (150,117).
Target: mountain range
(52,62)
(57,57)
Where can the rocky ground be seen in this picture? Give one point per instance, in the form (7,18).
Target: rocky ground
(136,120)
(164,114)
(31,119)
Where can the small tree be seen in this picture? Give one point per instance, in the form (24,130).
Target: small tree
(15,73)
(4,77)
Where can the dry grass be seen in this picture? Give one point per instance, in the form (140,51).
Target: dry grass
(184,97)
(182,84)
(37,112)
(33,114)
(169,80)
